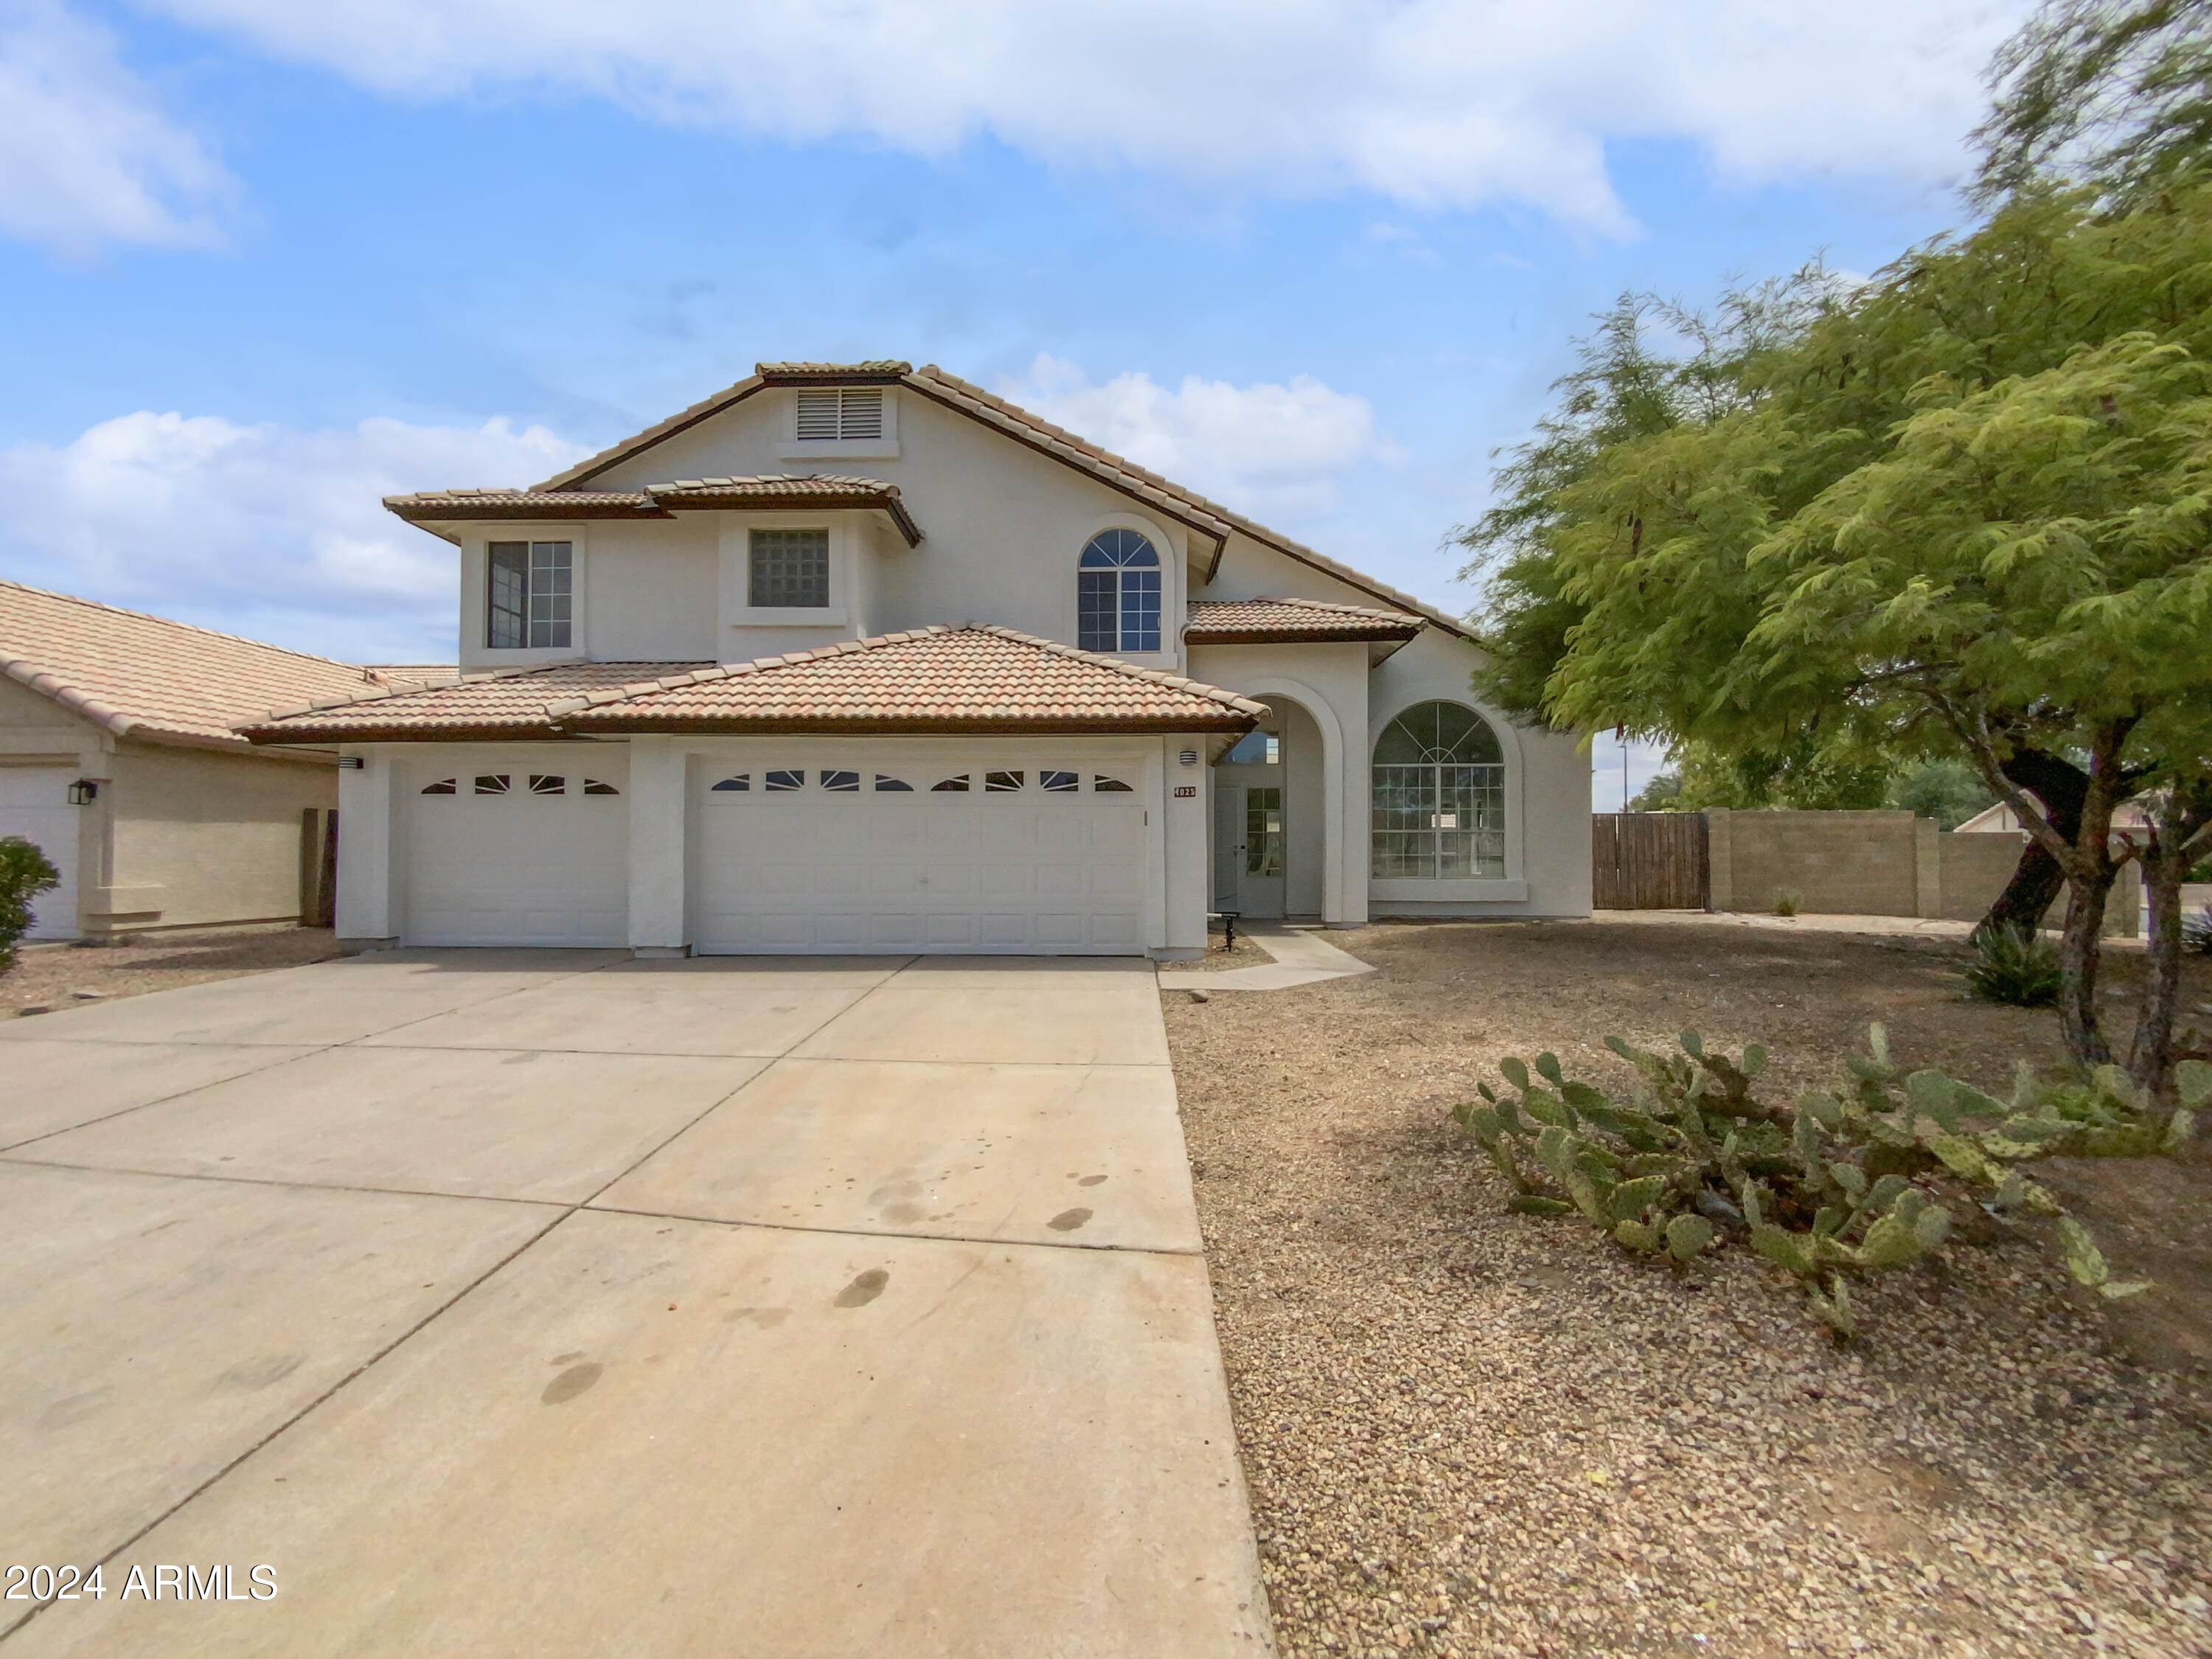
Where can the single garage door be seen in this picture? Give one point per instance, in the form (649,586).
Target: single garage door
(529,853)
(35,804)
(892,855)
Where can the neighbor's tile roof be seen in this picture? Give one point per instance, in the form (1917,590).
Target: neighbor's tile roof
(969,678)
(150,677)
(658,500)
(1251,621)
(1209,519)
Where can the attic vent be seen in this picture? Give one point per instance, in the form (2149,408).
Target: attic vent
(833,413)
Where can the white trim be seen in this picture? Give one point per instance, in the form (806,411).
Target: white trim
(1173,584)
(734,550)
(476,654)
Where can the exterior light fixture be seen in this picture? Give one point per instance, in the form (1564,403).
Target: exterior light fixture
(83,792)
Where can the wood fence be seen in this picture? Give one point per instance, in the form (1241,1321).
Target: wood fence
(1649,861)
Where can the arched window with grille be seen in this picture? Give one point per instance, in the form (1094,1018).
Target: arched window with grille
(1439,796)
(1118,587)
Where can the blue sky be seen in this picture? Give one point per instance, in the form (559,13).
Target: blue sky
(261,263)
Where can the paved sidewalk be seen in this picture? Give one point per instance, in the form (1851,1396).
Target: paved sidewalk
(1301,955)
(515,1302)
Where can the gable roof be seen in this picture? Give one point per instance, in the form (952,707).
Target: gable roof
(659,500)
(972,679)
(151,679)
(1209,519)
(1255,622)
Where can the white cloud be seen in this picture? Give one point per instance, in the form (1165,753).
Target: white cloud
(1270,451)
(87,159)
(259,529)
(1431,103)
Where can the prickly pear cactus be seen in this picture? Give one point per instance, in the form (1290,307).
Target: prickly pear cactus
(1842,1183)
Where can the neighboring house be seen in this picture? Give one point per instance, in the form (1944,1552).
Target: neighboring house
(1999,819)
(856,657)
(118,759)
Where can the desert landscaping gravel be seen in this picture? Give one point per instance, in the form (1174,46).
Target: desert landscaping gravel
(1472,1432)
(50,977)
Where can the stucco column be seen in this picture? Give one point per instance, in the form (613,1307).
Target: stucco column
(1186,840)
(657,812)
(1351,817)
(368,909)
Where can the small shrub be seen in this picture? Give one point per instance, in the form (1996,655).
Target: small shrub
(24,874)
(2014,966)
(1786,901)
(1837,1186)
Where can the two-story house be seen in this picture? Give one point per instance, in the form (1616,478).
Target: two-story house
(860,658)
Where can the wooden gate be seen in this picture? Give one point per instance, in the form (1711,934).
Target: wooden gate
(1649,861)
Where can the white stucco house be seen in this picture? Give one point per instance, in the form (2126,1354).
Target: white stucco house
(861,658)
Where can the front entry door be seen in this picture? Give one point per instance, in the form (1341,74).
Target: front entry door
(1248,859)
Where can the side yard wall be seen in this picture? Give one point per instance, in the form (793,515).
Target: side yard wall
(1875,864)
(202,837)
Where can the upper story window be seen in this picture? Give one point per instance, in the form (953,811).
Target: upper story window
(841,414)
(1438,802)
(1118,587)
(788,569)
(528,592)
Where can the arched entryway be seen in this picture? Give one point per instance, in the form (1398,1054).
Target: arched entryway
(1271,801)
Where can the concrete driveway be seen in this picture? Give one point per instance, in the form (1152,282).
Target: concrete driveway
(550,1303)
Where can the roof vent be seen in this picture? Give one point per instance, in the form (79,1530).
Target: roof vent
(839,414)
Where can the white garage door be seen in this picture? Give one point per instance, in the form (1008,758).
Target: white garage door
(891,855)
(533,853)
(35,804)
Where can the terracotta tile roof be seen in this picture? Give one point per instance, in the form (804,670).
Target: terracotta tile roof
(771,490)
(1209,519)
(974,678)
(506,704)
(790,489)
(969,678)
(1251,621)
(149,678)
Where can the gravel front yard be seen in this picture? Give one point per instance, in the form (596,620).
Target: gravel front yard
(51,975)
(1470,1432)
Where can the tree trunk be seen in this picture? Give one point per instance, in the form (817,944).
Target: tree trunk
(2166,865)
(2080,954)
(2037,881)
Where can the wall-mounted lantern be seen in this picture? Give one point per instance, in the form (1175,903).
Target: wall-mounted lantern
(83,792)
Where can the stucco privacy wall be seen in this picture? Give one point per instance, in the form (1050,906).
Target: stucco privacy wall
(975,495)
(202,837)
(1872,863)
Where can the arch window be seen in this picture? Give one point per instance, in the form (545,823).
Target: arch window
(1438,800)
(1117,587)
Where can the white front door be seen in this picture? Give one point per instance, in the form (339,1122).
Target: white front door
(35,804)
(843,852)
(532,851)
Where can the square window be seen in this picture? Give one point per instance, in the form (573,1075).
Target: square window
(789,569)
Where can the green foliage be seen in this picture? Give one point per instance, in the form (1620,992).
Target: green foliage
(24,874)
(1786,901)
(2014,965)
(2116,91)
(1662,794)
(1843,1183)
(1948,791)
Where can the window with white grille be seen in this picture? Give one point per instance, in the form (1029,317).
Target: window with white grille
(841,414)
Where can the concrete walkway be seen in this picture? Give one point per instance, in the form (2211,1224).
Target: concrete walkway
(513,1303)
(1301,955)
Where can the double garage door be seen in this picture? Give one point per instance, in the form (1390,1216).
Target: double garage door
(834,853)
